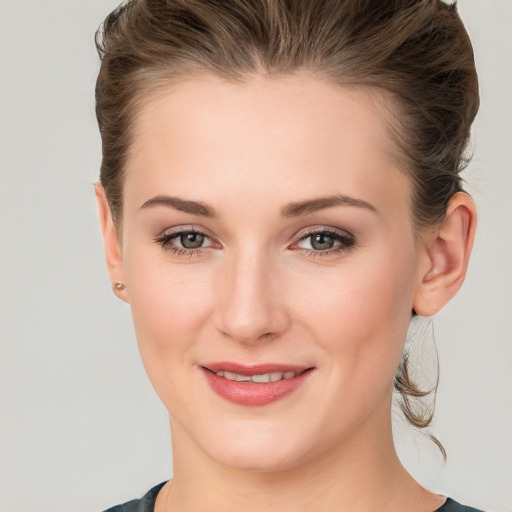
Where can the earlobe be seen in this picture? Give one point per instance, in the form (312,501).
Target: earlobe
(113,253)
(446,256)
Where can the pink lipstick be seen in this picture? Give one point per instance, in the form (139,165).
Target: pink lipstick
(254,385)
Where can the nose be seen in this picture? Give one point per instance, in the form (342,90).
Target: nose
(251,299)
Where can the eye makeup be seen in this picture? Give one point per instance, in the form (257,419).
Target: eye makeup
(324,242)
(188,241)
(315,242)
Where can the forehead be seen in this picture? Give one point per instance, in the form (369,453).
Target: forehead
(294,134)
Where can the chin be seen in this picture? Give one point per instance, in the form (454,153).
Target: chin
(260,451)
(257,461)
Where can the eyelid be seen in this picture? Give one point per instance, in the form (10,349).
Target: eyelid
(323,229)
(168,234)
(190,228)
(346,240)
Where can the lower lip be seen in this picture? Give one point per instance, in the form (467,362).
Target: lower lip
(252,393)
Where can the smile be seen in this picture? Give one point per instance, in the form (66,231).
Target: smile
(254,385)
(263,377)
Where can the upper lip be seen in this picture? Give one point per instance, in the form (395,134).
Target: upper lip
(253,369)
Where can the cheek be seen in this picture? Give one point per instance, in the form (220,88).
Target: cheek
(360,314)
(170,304)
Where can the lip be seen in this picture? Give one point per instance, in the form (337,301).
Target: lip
(252,393)
(253,369)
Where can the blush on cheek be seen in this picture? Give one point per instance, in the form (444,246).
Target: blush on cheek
(169,306)
(366,314)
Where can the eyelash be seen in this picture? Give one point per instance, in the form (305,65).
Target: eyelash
(165,242)
(345,240)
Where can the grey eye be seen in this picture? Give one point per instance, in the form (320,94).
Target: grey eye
(327,242)
(192,240)
(322,241)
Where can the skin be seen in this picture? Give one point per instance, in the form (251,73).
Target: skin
(259,292)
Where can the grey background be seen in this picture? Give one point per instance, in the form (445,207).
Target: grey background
(80,427)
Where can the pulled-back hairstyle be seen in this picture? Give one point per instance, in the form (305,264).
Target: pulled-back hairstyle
(416,51)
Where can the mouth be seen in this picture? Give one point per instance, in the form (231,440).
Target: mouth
(259,378)
(254,385)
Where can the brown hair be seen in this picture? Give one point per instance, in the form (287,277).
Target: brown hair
(416,50)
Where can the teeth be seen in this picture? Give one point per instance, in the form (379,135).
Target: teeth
(265,377)
(261,378)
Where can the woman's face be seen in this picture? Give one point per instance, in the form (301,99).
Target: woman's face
(267,231)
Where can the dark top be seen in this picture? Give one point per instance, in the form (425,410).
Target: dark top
(147,504)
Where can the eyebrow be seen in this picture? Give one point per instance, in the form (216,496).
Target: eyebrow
(290,210)
(183,205)
(313,205)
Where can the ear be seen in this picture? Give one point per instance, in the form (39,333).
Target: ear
(111,243)
(446,256)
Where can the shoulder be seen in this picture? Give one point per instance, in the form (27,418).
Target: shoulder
(452,506)
(144,504)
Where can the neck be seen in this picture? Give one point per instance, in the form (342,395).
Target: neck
(364,474)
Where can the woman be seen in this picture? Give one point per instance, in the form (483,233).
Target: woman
(279,197)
